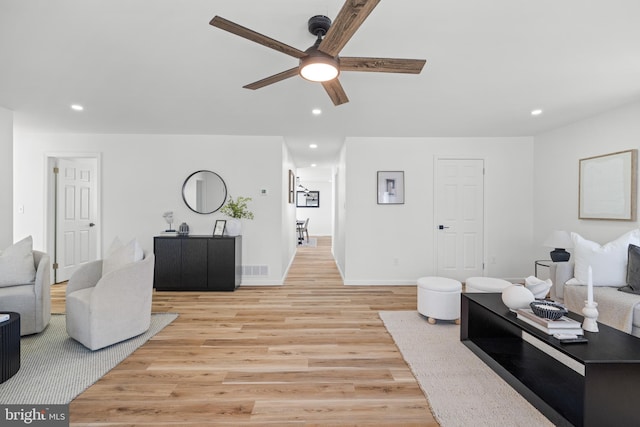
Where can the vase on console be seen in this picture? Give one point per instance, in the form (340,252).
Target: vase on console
(517,296)
(233,227)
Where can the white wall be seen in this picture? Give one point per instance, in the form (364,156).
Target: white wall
(531,188)
(340,212)
(289,241)
(375,234)
(142,177)
(6,178)
(557,154)
(320,217)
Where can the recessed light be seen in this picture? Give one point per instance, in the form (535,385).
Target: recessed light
(316,111)
(313,145)
(313,165)
(77,107)
(536,112)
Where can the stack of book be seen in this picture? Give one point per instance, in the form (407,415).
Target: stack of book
(564,325)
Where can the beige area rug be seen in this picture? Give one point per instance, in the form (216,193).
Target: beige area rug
(54,368)
(461,389)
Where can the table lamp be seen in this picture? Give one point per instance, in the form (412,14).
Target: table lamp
(559,240)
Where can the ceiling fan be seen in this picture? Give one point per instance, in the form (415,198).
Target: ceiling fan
(321,63)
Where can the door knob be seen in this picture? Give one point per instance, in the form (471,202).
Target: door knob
(442,227)
(91,224)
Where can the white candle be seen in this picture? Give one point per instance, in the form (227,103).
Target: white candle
(589,286)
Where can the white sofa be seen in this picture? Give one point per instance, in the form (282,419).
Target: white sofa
(104,310)
(31,300)
(617,309)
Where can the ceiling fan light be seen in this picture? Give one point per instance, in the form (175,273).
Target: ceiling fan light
(319,68)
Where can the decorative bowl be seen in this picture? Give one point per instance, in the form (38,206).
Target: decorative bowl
(548,309)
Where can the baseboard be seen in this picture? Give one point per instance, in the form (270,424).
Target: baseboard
(286,270)
(260,282)
(339,269)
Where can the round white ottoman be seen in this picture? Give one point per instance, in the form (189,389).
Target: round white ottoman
(439,298)
(485,284)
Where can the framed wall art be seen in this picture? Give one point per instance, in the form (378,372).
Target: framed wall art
(218,229)
(607,186)
(308,199)
(390,187)
(292,186)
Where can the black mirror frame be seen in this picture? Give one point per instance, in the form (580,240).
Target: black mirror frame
(224,199)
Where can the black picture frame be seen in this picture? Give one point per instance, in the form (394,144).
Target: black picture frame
(218,228)
(390,187)
(308,199)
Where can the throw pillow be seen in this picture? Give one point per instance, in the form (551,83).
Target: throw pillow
(608,262)
(120,255)
(16,264)
(633,271)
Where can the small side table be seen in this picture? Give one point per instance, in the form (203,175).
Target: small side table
(541,263)
(9,346)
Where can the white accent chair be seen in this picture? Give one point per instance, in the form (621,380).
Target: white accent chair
(104,310)
(31,300)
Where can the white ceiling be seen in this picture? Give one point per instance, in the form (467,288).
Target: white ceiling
(157,66)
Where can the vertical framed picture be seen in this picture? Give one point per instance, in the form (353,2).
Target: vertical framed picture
(218,229)
(607,186)
(390,187)
(292,186)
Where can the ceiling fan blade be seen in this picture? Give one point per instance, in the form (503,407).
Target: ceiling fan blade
(382,65)
(272,79)
(349,19)
(248,34)
(335,91)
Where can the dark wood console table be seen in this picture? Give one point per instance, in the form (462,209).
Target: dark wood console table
(9,346)
(604,395)
(197,263)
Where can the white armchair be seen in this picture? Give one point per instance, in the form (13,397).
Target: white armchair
(105,310)
(31,300)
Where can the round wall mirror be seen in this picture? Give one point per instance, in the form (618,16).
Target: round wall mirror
(204,192)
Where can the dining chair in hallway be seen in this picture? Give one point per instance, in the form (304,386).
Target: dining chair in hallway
(302,230)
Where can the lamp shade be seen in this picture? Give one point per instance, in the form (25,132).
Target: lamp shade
(559,239)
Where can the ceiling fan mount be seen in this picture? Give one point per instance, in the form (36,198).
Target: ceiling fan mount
(319,25)
(321,63)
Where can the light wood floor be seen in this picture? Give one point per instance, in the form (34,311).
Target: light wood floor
(311,352)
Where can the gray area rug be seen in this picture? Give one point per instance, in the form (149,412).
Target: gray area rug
(54,368)
(312,243)
(461,389)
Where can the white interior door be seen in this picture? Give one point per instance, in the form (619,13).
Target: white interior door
(76,209)
(459,215)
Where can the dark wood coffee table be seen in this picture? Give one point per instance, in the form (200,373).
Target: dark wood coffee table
(603,395)
(9,347)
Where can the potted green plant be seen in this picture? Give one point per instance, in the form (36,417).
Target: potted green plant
(237,209)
